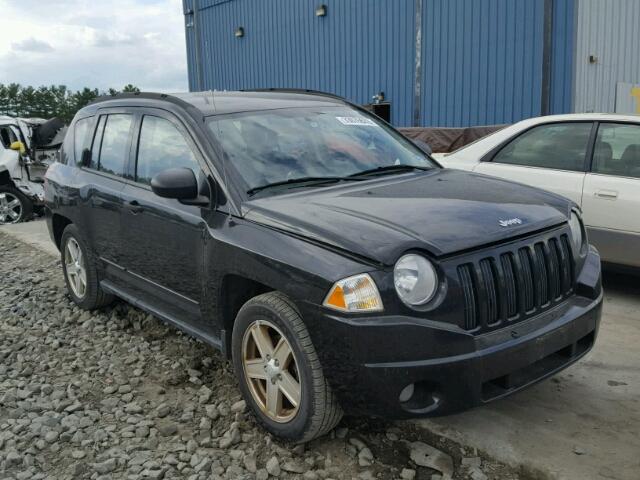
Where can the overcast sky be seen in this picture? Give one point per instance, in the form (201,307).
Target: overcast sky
(92,43)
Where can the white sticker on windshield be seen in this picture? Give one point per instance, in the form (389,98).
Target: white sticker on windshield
(362,121)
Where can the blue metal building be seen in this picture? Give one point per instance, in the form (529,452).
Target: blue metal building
(438,62)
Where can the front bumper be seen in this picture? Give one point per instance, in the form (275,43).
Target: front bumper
(370,361)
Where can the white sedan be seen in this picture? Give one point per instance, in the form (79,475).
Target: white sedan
(593,159)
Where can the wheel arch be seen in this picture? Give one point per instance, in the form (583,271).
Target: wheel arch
(59,223)
(256,260)
(5,177)
(235,291)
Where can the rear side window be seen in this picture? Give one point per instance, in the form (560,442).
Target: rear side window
(161,146)
(617,150)
(560,146)
(80,137)
(111,143)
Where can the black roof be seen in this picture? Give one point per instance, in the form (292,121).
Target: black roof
(219,102)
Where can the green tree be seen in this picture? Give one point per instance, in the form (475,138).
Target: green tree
(12,99)
(27,100)
(48,101)
(128,88)
(81,98)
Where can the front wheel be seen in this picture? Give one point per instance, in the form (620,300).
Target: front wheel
(15,206)
(279,372)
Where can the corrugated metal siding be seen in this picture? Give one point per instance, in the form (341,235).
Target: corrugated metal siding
(611,31)
(360,48)
(482,61)
(562,50)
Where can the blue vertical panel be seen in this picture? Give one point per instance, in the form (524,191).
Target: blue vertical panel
(360,48)
(482,61)
(562,48)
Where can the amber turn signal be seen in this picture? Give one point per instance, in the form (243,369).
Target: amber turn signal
(354,294)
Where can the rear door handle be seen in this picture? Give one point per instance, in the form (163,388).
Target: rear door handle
(607,194)
(135,207)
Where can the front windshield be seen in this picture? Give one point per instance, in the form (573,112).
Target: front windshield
(283,145)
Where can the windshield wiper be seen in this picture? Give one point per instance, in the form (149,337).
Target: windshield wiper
(302,181)
(317,181)
(388,169)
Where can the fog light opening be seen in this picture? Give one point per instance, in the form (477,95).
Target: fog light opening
(420,397)
(406,393)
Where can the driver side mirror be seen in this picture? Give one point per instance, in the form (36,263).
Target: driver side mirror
(179,183)
(424,146)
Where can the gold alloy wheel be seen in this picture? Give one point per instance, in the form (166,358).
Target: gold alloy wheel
(75,268)
(271,371)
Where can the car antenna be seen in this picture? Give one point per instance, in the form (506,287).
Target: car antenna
(224,155)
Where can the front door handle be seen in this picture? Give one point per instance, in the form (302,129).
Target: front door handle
(135,207)
(607,194)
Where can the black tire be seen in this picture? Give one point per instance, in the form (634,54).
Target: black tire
(26,205)
(319,411)
(94,297)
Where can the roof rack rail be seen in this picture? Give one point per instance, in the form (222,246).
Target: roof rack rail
(296,90)
(121,95)
(167,97)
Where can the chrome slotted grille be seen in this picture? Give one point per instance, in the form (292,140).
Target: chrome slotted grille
(516,284)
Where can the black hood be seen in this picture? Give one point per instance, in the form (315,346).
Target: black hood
(441,211)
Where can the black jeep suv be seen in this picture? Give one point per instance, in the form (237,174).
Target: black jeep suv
(334,261)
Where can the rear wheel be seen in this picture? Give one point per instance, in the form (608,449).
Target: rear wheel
(279,372)
(80,271)
(15,206)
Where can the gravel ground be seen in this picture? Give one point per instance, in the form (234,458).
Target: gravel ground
(118,394)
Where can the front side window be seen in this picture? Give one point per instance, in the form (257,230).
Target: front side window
(272,146)
(115,144)
(560,146)
(161,146)
(617,150)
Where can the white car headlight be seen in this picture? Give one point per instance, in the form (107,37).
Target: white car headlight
(576,231)
(355,294)
(415,279)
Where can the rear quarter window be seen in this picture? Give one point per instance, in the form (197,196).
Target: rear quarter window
(80,134)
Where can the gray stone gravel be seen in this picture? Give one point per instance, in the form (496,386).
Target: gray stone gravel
(117,394)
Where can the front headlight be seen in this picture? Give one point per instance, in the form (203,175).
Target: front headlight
(575,224)
(415,279)
(355,294)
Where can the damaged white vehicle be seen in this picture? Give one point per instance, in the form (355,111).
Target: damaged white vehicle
(27,147)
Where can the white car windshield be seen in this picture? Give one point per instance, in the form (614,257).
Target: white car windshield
(285,145)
